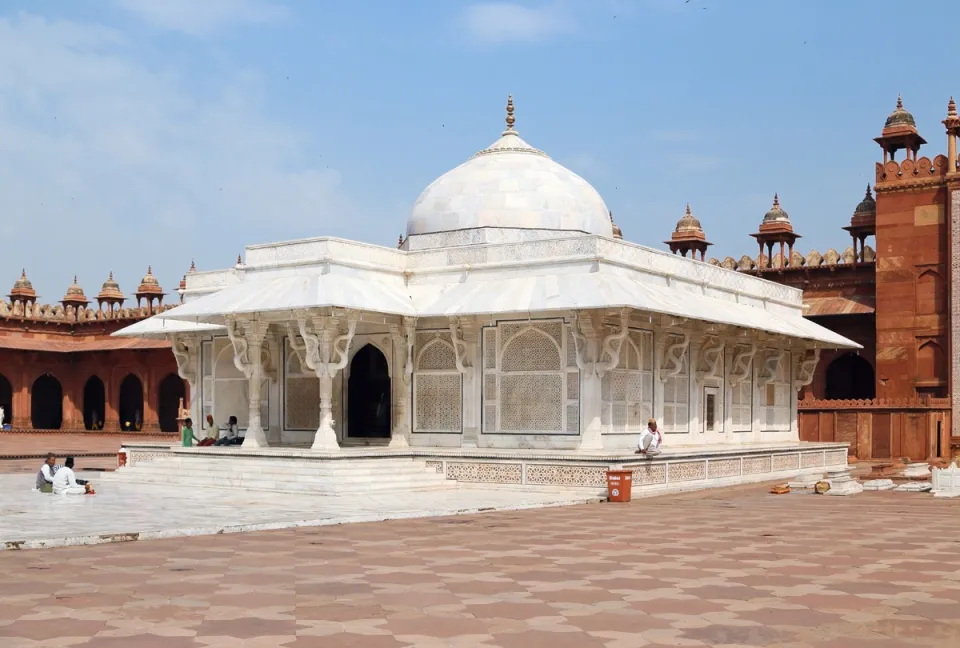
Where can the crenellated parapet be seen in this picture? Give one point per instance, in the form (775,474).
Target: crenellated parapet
(829,260)
(894,175)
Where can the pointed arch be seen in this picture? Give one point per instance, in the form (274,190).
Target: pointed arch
(46,403)
(130,403)
(94,403)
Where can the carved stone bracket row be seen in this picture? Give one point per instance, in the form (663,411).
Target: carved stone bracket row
(587,340)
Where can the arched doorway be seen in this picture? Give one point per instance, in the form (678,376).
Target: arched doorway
(46,403)
(6,400)
(168,407)
(368,395)
(131,403)
(94,403)
(850,377)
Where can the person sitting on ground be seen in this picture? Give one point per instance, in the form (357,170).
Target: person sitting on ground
(66,483)
(187,436)
(231,435)
(213,432)
(650,440)
(47,472)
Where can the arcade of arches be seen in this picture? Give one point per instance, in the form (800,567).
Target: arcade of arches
(127,391)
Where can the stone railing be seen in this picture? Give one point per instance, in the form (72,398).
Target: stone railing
(880,428)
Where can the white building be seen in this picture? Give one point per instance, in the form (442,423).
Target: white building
(509,318)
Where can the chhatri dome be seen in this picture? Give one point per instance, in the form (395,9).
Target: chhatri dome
(900,116)
(510,185)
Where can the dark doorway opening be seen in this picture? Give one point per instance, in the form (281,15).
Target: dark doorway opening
(850,377)
(46,403)
(131,404)
(6,400)
(94,403)
(368,395)
(172,390)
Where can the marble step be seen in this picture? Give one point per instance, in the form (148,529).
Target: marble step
(291,482)
(287,486)
(269,467)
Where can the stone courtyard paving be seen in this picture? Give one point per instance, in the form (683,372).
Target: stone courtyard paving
(737,567)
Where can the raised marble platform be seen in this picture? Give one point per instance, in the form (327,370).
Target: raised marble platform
(370,469)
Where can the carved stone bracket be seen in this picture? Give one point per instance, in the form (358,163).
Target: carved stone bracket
(711,358)
(742,363)
(241,355)
(806,366)
(186,350)
(586,330)
(269,359)
(771,365)
(326,352)
(404,337)
(297,344)
(674,355)
(464,336)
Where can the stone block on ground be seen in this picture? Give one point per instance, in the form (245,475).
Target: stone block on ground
(879,485)
(804,481)
(842,483)
(914,487)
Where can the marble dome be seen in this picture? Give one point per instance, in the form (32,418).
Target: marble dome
(510,184)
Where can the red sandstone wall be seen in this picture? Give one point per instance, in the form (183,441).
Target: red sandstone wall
(73,370)
(911,291)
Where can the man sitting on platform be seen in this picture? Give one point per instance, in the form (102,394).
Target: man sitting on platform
(46,474)
(66,483)
(213,432)
(650,440)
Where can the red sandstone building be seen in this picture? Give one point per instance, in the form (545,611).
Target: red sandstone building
(893,398)
(61,370)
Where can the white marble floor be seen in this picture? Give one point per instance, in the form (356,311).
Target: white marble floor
(123,512)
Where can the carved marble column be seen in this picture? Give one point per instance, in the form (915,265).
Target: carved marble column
(186,351)
(247,338)
(465,335)
(324,341)
(403,339)
(603,350)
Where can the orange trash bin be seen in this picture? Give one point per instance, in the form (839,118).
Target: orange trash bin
(619,483)
(121,458)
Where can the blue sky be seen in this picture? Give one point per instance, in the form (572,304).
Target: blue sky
(136,132)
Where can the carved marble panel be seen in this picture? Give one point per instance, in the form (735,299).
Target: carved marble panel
(811,460)
(686,471)
(494,473)
(756,465)
(786,462)
(718,468)
(587,476)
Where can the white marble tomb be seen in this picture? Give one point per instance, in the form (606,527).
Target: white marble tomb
(509,318)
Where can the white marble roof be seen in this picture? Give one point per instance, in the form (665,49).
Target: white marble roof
(157,327)
(495,294)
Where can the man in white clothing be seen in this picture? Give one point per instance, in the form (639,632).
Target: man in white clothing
(650,440)
(65,482)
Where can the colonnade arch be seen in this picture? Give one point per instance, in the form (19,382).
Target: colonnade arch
(46,403)
(171,391)
(94,403)
(130,405)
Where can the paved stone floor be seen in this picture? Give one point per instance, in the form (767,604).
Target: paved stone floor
(728,568)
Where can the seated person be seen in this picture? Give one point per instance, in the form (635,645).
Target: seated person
(231,435)
(46,474)
(650,440)
(66,483)
(187,436)
(213,432)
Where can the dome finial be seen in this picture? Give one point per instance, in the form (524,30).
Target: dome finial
(951,108)
(899,101)
(869,195)
(688,209)
(193,266)
(776,200)
(511,120)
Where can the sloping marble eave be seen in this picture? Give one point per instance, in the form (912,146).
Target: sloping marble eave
(299,292)
(158,327)
(546,293)
(496,296)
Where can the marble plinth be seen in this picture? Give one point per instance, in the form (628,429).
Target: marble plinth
(914,487)
(842,483)
(879,485)
(946,481)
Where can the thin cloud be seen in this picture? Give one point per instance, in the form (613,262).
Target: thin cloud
(203,17)
(111,165)
(498,23)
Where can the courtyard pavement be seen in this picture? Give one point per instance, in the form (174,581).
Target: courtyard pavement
(737,567)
